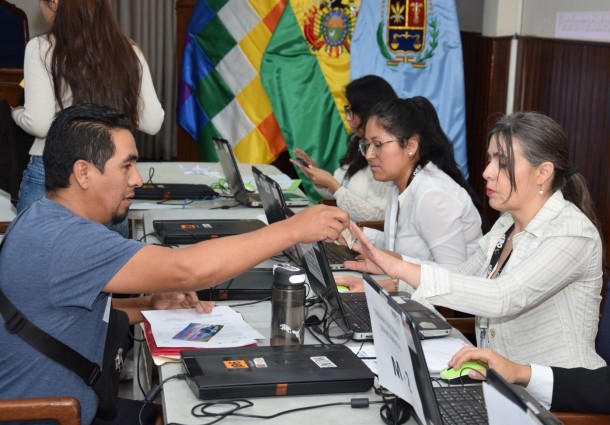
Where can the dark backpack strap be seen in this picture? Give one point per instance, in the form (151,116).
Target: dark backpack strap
(16,323)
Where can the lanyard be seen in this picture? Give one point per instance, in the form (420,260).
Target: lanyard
(495,257)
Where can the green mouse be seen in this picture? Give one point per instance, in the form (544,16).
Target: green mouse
(450,373)
(342,288)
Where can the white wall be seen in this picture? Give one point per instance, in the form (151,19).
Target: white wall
(36,22)
(470,15)
(492,18)
(539,15)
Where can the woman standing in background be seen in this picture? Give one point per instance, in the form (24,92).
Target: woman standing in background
(84,58)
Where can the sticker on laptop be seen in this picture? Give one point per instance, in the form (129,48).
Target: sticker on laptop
(259,362)
(236,364)
(323,362)
(198,332)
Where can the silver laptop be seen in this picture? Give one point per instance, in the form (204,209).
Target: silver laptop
(276,209)
(230,169)
(402,369)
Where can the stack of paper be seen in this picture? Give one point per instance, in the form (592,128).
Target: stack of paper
(169,331)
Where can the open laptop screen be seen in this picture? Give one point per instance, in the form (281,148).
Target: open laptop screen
(230,170)
(321,279)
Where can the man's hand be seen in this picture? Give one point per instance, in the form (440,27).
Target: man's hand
(513,372)
(319,223)
(174,300)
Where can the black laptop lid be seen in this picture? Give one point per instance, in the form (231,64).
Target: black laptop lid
(271,196)
(321,279)
(229,168)
(265,371)
(192,231)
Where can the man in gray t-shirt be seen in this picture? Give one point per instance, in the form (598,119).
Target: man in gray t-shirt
(59,263)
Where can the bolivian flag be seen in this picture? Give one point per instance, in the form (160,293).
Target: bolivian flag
(304,71)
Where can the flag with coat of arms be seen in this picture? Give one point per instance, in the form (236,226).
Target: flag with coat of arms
(416,46)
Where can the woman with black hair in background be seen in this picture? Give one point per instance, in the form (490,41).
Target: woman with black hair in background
(352,185)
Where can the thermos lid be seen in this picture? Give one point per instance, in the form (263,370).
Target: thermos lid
(288,275)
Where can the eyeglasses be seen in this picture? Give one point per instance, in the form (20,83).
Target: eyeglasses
(349,114)
(364,146)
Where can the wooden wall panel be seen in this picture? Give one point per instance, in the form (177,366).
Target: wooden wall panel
(568,81)
(486,81)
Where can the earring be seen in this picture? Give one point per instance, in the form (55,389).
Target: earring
(540,191)
(410,153)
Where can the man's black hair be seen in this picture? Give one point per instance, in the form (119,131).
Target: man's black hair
(80,132)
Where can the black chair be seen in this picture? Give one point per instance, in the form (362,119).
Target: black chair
(14,34)
(14,146)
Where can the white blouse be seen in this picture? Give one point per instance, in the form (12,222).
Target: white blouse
(433,219)
(39,109)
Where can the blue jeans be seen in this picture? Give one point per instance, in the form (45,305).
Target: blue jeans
(32,184)
(32,189)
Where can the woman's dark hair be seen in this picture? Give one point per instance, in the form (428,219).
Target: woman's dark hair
(416,116)
(93,57)
(362,94)
(543,140)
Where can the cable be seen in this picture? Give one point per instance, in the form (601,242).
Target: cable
(202,410)
(250,302)
(154,392)
(151,173)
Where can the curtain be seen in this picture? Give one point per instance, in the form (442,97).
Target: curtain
(152,24)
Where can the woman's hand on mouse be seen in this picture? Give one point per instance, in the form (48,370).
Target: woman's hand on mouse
(514,373)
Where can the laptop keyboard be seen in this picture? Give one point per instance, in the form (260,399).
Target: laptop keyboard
(357,311)
(461,404)
(337,254)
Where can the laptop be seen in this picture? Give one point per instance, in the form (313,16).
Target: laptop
(228,162)
(179,232)
(350,308)
(502,397)
(402,368)
(255,284)
(266,371)
(276,209)
(172,191)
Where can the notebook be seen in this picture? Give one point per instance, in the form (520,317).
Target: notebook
(167,191)
(276,209)
(351,309)
(402,368)
(179,232)
(230,169)
(265,371)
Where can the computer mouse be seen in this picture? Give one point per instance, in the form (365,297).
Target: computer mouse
(450,373)
(342,288)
